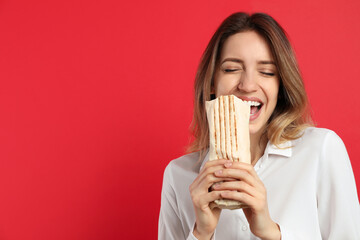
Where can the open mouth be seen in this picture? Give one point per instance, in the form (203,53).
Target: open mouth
(254,106)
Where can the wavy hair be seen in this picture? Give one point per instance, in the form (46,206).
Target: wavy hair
(292,112)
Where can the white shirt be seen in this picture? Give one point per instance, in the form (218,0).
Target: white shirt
(311,192)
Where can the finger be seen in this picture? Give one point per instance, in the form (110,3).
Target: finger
(212,163)
(210,197)
(256,204)
(243,166)
(239,186)
(210,169)
(201,187)
(210,180)
(222,180)
(239,196)
(206,176)
(238,174)
(213,205)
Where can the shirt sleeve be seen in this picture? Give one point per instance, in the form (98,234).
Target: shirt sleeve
(287,234)
(192,237)
(338,204)
(170,227)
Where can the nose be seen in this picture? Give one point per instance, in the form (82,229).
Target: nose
(247,82)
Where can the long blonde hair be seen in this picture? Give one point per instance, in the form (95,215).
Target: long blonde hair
(291,114)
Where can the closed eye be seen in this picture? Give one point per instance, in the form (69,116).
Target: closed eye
(268,73)
(230,70)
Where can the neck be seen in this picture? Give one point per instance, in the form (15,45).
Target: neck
(257,146)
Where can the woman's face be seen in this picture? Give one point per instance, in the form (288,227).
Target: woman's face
(247,70)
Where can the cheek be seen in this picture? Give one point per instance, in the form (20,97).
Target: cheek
(276,90)
(274,94)
(224,86)
(220,89)
(273,90)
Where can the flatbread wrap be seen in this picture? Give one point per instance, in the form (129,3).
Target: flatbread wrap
(228,119)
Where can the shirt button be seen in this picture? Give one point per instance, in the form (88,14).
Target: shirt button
(244,228)
(260,166)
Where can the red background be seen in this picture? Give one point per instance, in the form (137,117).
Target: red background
(96,99)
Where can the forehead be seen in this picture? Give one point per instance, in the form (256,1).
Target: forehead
(248,46)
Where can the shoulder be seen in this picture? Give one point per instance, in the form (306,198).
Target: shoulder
(186,167)
(318,133)
(321,143)
(188,162)
(313,136)
(316,142)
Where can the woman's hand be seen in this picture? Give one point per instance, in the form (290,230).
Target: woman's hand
(248,189)
(206,217)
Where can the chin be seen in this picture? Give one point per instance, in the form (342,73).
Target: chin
(255,130)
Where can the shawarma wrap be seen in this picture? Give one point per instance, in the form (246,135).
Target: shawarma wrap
(228,119)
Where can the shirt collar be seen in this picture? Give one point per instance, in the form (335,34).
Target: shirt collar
(283,149)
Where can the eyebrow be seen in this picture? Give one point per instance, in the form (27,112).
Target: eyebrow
(232,60)
(241,61)
(266,62)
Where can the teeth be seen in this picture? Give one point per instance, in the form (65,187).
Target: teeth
(252,103)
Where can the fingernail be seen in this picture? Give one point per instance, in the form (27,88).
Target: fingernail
(228,164)
(218,172)
(225,194)
(216,185)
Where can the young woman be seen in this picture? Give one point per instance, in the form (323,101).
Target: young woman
(299,184)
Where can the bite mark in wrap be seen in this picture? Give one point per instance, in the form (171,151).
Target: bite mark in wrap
(228,119)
